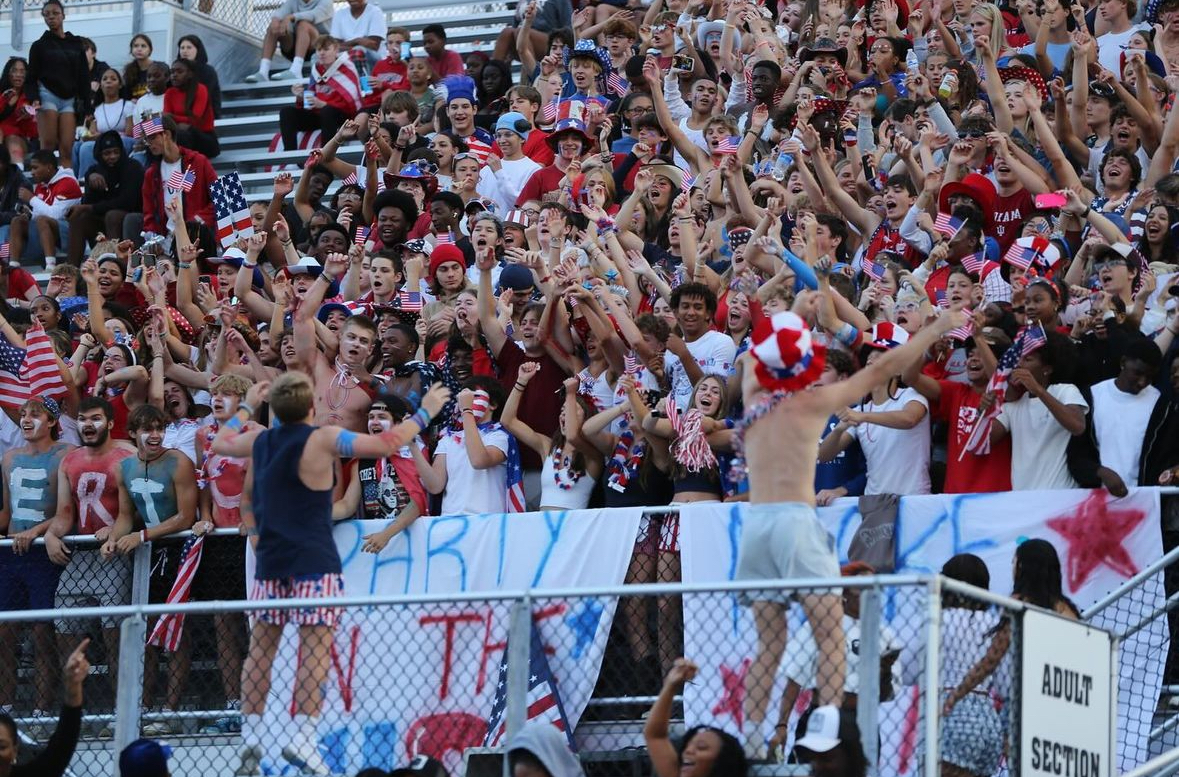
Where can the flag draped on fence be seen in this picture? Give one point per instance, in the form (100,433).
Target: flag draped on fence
(544,698)
(169,627)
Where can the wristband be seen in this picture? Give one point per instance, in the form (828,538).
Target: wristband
(143,536)
(325,276)
(847,335)
(399,147)
(245,406)
(421,417)
(286,242)
(185,265)
(248,263)
(521,386)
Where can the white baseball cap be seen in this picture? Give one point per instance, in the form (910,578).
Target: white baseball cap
(822,730)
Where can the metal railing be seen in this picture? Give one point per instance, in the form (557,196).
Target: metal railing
(880,707)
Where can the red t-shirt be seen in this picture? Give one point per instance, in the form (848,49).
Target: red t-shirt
(958,407)
(201,116)
(19,282)
(543,185)
(540,407)
(1008,217)
(93,486)
(386,76)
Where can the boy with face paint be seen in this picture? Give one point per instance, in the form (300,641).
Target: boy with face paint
(386,487)
(157,497)
(88,503)
(28,578)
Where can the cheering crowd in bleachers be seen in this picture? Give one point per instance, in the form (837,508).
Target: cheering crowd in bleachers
(585,235)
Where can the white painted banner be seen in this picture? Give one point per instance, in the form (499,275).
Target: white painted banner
(422,679)
(1101,541)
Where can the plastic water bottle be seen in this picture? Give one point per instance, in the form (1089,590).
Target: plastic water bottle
(361,63)
(309,95)
(782,166)
(912,64)
(948,85)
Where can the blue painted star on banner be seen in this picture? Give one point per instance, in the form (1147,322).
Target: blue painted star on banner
(584,625)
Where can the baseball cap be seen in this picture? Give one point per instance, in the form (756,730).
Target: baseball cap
(826,728)
(144,758)
(421,766)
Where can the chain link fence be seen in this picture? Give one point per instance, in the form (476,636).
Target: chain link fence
(455,677)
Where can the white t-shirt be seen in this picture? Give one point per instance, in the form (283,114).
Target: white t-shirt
(470,490)
(1119,420)
(1038,441)
(148,104)
(371,24)
(800,661)
(898,459)
(1110,47)
(512,176)
(714,352)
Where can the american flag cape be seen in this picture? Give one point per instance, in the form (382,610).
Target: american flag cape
(170,627)
(1029,339)
(231,209)
(29,372)
(543,700)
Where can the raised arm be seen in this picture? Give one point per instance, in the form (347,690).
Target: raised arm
(511,421)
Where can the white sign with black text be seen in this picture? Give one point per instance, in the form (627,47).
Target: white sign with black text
(1065,718)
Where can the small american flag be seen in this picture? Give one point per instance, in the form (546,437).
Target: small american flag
(137,130)
(1029,339)
(152,126)
(29,372)
(169,627)
(975,263)
(182,181)
(230,208)
(445,239)
(874,270)
(479,149)
(410,301)
(1021,256)
(965,331)
(940,299)
(617,84)
(687,181)
(630,363)
(543,700)
(5,251)
(361,236)
(350,180)
(947,225)
(728,145)
(548,114)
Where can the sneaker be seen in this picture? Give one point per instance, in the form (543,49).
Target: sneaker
(254,78)
(305,755)
(283,75)
(159,728)
(249,761)
(50,263)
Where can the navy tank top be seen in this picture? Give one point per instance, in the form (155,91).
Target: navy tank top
(294,521)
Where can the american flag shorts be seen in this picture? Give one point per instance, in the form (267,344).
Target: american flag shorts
(329,586)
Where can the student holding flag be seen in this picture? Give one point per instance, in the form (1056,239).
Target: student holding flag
(172,158)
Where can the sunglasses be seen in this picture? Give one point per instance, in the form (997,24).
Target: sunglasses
(972,135)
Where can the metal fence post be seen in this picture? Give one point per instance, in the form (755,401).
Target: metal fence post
(868,698)
(932,677)
(519,651)
(18,25)
(128,694)
(137,16)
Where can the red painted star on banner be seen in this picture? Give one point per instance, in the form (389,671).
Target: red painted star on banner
(732,701)
(1095,533)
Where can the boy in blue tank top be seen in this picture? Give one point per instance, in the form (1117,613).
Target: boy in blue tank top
(28,578)
(286,510)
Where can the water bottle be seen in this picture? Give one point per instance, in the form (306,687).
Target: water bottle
(912,64)
(309,94)
(361,63)
(782,166)
(948,85)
